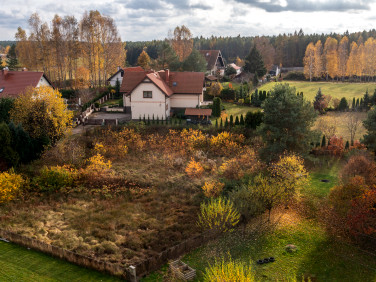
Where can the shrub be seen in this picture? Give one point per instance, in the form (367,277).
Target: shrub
(10,183)
(97,164)
(295,75)
(213,188)
(218,215)
(252,120)
(55,178)
(229,271)
(194,169)
(360,165)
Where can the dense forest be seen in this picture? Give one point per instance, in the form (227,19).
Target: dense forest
(285,49)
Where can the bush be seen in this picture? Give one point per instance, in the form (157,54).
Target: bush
(253,119)
(229,271)
(228,94)
(68,93)
(213,188)
(55,178)
(295,75)
(218,215)
(10,183)
(194,169)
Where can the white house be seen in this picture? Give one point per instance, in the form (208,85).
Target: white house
(14,83)
(237,68)
(120,74)
(149,93)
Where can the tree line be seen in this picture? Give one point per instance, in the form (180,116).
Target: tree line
(68,49)
(341,59)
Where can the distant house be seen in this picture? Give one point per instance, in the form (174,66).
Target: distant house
(215,62)
(237,68)
(275,71)
(14,83)
(210,79)
(120,74)
(158,94)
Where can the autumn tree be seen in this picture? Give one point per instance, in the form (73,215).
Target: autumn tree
(352,62)
(167,58)
(287,123)
(343,51)
(352,124)
(309,61)
(319,67)
(143,60)
(42,112)
(331,57)
(266,50)
(215,89)
(319,103)
(182,42)
(12,61)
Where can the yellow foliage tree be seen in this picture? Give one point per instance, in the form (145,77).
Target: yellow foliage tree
(215,89)
(309,61)
(42,113)
(318,70)
(331,57)
(352,62)
(10,183)
(143,60)
(343,51)
(218,215)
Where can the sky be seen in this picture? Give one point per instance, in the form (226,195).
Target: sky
(143,20)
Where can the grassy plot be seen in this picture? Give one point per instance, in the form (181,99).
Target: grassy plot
(20,264)
(334,89)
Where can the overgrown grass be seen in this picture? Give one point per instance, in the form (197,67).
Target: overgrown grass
(20,264)
(334,89)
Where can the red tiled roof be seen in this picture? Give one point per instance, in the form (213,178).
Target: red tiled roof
(14,83)
(197,112)
(129,69)
(211,57)
(178,82)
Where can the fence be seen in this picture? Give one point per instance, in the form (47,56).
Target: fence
(145,267)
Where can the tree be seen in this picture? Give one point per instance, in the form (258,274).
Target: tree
(319,103)
(216,107)
(215,89)
(182,42)
(10,183)
(352,124)
(167,57)
(143,60)
(1,63)
(370,125)
(42,112)
(318,69)
(218,215)
(195,62)
(331,57)
(255,80)
(287,123)
(230,71)
(343,105)
(343,56)
(254,63)
(6,104)
(266,50)
(12,61)
(323,141)
(8,157)
(309,61)
(253,119)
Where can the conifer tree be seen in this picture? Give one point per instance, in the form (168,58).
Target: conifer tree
(357,104)
(216,123)
(226,123)
(254,63)
(323,141)
(231,121)
(242,120)
(347,146)
(221,125)
(237,121)
(353,104)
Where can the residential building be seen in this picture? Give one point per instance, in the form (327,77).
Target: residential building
(120,74)
(215,62)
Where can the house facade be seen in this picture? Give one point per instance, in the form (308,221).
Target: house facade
(120,74)
(148,93)
(215,62)
(14,83)
(236,68)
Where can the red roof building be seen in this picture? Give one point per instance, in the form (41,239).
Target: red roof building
(150,93)
(14,83)
(120,74)
(215,62)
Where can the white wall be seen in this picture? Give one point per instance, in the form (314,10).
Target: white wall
(186,100)
(158,105)
(126,101)
(113,80)
(43,82)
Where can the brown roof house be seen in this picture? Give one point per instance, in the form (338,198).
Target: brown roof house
(120,74)
(14,83)
(215,62)
(150,93)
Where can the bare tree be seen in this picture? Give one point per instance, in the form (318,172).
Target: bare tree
(352,124)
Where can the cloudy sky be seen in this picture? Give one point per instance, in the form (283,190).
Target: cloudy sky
(139,20)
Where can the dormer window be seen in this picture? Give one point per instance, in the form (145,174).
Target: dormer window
(1,90)
(174,83)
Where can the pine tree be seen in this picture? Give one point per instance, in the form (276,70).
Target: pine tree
(153,119)
(157,119)
(226,123)
(318,104)
(216,107)
(216,123)
(361,104)
(347,146)
(254,63)
(343,105)
(255,80)
(144,120)
(323,141)
(237,121)
(366,101)
(357,104)
(12,61)
(353,104)
(231,121)
(148,120)
(221,124)
(242,120)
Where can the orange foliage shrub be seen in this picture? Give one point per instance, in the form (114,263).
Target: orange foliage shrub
(10,183)
(194,169)
(213,188)
(226,143)
(360,165)
(245,163)
(336,146)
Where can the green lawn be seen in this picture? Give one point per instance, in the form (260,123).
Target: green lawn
(20,264)
(335,89)
(111,102)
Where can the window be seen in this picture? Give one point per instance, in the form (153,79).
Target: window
(1,89)
(148,94)
(174,83)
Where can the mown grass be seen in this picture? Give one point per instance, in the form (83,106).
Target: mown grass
(334,89)
(20,264)
(111,102)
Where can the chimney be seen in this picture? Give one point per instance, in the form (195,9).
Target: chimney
(5,71)
(167,72)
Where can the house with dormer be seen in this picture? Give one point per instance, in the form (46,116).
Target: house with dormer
(215,62)
(158,94)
